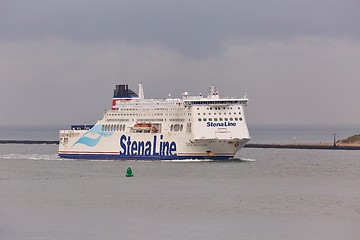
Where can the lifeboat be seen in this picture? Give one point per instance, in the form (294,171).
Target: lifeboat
(145,127)
(142,127)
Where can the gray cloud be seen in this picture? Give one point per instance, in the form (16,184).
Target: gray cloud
(192,27)
(298,61)
(300,81)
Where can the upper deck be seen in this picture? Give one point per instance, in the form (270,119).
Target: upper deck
(131,99)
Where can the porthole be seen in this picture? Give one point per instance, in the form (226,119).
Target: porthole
(236,119)
(210,119)
(215,119)
(199,119)
(220,119)
(204,119)
(240,119)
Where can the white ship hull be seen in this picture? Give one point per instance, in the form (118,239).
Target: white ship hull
(122,146)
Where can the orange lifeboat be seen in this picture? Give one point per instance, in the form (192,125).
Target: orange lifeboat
(142,127)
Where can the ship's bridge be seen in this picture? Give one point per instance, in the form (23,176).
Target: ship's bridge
(218,118)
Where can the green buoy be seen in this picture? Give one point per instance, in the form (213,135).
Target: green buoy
(129,172)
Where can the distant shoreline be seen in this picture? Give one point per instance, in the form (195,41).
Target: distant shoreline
(29,142)
(326,146)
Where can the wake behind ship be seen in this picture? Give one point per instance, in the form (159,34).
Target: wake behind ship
(193,127)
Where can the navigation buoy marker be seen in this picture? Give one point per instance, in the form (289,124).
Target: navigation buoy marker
(129,172)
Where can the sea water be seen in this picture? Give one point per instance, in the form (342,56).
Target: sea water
(269,194)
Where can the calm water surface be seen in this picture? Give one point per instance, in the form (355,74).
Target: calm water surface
(283,194)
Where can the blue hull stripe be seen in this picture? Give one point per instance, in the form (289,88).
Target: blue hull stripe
(136,157)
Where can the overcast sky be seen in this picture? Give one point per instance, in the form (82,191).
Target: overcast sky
(297,61)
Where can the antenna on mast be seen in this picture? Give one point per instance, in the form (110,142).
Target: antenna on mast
(141,91)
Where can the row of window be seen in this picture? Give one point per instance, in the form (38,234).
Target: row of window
(228,102)
(218,108)
(117,120)
(219,119)
(145,109)
(113,127)
(149,114)
(177,120)
(220,113)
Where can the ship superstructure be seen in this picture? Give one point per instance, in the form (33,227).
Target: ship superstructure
(161,129)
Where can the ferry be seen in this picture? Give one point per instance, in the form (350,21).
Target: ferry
(136,128)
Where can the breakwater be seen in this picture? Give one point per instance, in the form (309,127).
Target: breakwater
(28,142)
(249,145)
(303,146)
